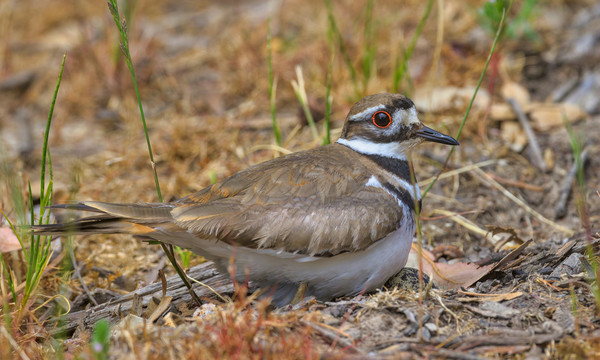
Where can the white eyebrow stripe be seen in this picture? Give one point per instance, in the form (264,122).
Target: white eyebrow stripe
(358,116)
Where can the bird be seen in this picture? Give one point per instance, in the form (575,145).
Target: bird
(336,220)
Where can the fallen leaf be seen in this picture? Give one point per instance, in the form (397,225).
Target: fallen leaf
(448,98)
(447,276)
(513,134)
(448,251)
(8,240)
(502,112)
(545,116)
(161,308)
(549,158)
(513,90)
(488,297)
(457,275)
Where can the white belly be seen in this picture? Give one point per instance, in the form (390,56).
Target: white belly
(326,277)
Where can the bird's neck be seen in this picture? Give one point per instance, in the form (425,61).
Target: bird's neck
(392,150)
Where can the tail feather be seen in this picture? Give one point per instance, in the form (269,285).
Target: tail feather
(135,219)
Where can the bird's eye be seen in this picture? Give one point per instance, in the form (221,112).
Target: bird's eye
(382,119)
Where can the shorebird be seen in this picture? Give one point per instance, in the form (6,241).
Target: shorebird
(338,219)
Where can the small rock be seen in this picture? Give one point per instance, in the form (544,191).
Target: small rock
(500,310)
(205,311)
(570,266)
(128,323)
(433,329)
(563,320)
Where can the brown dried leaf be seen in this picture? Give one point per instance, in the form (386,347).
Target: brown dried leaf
(513,90)
(457,275)
(502,112)
(472,296)
(548,116)
(513,135)
(162,307)
(8,240)
(448,276)
(449,98)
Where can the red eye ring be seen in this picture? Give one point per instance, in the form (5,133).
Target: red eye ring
(382,121)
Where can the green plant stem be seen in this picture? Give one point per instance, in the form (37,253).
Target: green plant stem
(335,32)
(122,26)
(272,87)
(369,47)
(168,249)
(48,122)
(400,68)
(38,255)
(328,100)
(464,120)
(300,92)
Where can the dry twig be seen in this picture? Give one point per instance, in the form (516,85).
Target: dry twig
(536,154)
(76,269)
(486,179)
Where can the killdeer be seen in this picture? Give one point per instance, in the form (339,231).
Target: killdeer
(339,218)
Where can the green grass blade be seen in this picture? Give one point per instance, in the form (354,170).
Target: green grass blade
(402,66)
(272,87)
(48,122)
(122,26)
(328,101)
(369,47)
(337,36)
(464,120)
(101,340)
(11,284)
(300,91)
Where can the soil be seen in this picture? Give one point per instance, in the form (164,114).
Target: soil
(202,72)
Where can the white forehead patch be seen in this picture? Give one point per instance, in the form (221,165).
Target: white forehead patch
(369,111)
(407,116)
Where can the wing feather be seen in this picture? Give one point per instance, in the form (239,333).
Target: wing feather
(295,205)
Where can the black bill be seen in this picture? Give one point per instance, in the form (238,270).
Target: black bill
(431,135)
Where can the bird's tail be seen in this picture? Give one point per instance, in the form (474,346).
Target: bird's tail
(135,219)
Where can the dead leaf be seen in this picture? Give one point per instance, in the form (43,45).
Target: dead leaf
(488,297)
(548,116)
(449,98)
(457,275)
(513,90)
(447,250)
(8,240)
(447,276)
(513,134)
(163,306)
(502,112)
(500,265)
(549,158)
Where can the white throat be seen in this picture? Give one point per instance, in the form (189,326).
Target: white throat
(393,150)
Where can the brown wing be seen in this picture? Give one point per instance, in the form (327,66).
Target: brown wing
(298,205)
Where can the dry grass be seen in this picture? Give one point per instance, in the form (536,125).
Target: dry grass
(203,78)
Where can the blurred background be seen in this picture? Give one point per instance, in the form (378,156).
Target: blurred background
(202,68)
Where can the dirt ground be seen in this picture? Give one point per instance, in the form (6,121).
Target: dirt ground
(202,72)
